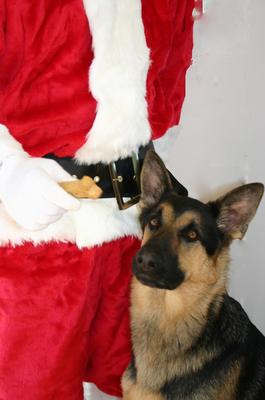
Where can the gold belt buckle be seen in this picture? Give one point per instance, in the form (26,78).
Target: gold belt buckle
(117,180)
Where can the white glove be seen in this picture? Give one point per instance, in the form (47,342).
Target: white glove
(28,186)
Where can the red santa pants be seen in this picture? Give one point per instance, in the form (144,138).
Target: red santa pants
(63,319)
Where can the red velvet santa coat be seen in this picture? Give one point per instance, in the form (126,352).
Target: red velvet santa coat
(64,298)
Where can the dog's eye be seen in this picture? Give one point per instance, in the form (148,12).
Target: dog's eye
(191,235)
(154,223)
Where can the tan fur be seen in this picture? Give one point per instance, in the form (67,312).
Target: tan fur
(146,236)
(160,317)
(156,327)
(205,280)
(168,218)
(185,219)
(167,213)
(132,391)
(137,393)
(227,388)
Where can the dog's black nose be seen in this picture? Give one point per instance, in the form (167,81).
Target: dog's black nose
(146,261)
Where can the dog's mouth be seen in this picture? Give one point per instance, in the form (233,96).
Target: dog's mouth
(156,283)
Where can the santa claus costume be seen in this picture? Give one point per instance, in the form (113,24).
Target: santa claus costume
(90,81)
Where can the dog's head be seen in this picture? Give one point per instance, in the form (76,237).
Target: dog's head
(183,237)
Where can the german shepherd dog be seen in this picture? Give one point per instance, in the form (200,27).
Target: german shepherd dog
(191,340)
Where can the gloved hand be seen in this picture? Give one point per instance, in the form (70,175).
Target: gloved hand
(30,193)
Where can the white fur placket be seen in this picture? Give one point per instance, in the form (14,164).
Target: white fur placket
(117,80)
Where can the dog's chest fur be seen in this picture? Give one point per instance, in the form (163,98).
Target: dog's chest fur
(156,342)
(166,351)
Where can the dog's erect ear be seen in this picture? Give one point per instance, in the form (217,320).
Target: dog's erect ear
(237,208)
(155,179)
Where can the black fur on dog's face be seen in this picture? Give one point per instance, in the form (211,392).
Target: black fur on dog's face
(184,238)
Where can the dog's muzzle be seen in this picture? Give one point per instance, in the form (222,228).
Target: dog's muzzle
(153,266)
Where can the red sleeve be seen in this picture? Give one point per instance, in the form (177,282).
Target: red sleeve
(11,49)
(169,35)
(44,61)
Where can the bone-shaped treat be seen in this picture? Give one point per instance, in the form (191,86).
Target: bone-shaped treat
(82,188)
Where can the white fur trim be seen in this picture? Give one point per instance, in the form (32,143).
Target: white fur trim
(91,392)
(117,80)
(96,222)
(8,144)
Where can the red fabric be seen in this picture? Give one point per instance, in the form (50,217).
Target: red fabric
(56,302)
(168,30)
(45,52)
(45,57)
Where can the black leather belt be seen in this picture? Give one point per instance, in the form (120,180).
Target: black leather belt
(119,179)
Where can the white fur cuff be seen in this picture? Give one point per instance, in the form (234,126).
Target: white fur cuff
(96,222)
(9,145)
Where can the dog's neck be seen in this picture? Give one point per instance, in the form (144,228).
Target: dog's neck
(181,314)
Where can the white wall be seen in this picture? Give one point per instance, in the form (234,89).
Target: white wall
(220,142)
